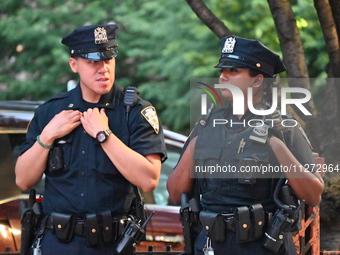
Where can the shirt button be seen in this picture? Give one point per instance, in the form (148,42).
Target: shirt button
(82,195)
(229,142)
(83,152)
(83,174)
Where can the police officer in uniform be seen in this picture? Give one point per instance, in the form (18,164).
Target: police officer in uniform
(93,145)
(243,197)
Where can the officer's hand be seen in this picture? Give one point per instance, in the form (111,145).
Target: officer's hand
(63,123)
(94,121)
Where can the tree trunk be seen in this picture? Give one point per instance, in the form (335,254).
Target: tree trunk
(208,18)
(292,51)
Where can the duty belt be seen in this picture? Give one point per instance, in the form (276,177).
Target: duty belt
(247,222)
(96,228)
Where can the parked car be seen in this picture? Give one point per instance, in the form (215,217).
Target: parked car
(163,229)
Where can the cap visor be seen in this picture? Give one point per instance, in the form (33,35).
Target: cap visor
(100,55)
(229,64)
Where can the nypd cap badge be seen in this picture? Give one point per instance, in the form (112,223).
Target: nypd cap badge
(100,35)
(229,45)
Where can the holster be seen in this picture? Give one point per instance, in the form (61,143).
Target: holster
(31,214)
(214,224)
(63,226)
(27,229)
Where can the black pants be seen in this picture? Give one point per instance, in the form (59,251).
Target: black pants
(50,245)
(229,246)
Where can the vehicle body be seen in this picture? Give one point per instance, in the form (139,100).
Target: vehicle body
(164,228)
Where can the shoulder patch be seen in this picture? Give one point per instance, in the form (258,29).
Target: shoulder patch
(149,113)
(28,125)
(304,135)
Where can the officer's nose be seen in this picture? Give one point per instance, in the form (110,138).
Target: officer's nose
(102,66)
(224,77)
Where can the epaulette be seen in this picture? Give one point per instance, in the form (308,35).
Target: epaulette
(57,96)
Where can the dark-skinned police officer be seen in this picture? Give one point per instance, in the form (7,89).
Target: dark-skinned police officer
(236,206)
(92,149)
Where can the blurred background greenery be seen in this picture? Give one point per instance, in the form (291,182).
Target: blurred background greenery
(162,44)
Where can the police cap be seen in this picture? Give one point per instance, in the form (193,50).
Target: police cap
(95,42)
(239,52)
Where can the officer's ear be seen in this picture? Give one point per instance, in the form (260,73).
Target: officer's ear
(73,65)
(258,80)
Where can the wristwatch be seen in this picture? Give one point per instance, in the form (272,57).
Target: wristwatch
(102,136)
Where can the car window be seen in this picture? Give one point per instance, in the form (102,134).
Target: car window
(9,151)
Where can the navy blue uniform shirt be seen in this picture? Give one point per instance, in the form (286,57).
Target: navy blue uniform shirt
(90,182)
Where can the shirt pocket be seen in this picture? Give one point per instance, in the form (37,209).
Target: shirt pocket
(257,151)
(104,165)
(207,161)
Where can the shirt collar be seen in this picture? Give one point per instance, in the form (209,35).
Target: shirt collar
(75,101)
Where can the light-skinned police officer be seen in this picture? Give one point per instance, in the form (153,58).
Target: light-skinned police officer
(92,148)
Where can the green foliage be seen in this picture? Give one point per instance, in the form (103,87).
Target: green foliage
(162,45)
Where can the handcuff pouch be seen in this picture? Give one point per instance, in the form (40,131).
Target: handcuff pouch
(214,224)
(63,226)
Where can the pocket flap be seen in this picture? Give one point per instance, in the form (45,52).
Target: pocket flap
(63,226)
(207,152)
(214,224)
